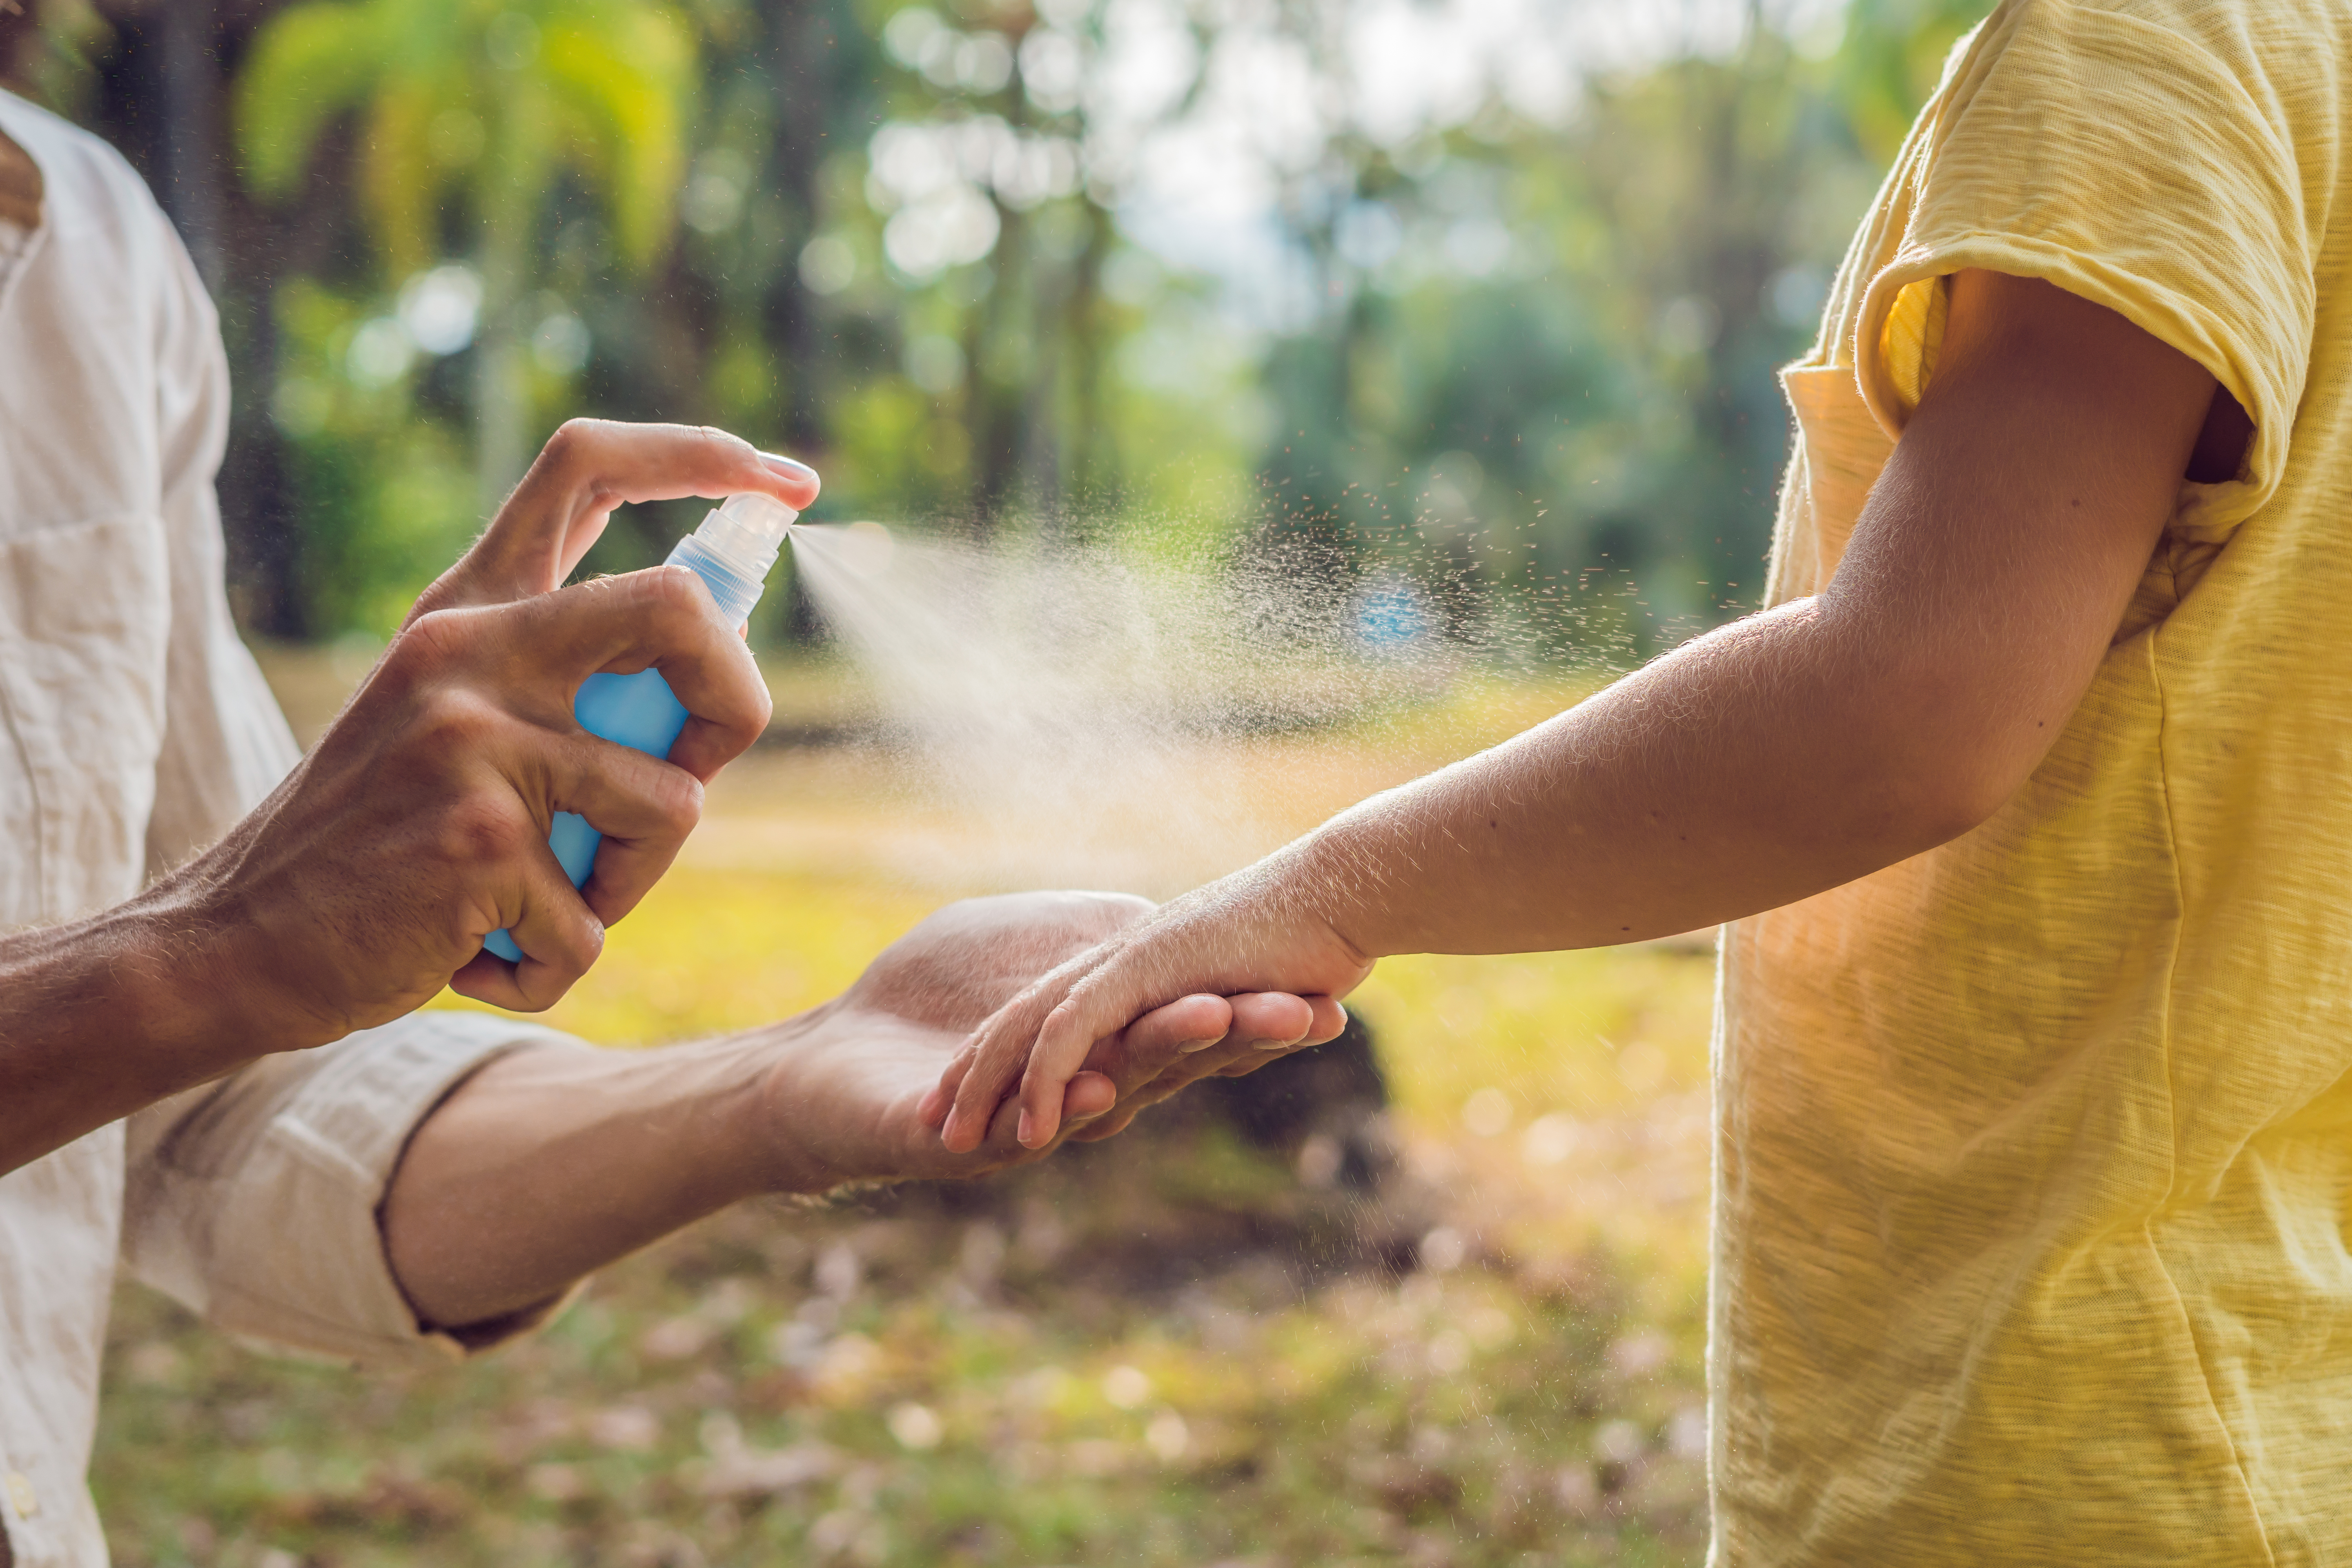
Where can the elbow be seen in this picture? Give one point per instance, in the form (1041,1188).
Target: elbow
(1934,795)
(1955,807)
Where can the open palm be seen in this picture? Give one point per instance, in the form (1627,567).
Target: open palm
(851,1076)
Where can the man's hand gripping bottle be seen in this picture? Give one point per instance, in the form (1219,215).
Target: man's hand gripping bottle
(731,552)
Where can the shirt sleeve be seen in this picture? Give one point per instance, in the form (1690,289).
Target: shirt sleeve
(226,744)
(254,1200)
(2142,156)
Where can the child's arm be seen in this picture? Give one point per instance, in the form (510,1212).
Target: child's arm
(1768,761)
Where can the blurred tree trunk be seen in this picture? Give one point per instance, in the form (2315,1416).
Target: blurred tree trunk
(161,99)
(1751,171)
(1090,476)
(192,167)
(804,56)
(803,51)
(498,389)
(998,394)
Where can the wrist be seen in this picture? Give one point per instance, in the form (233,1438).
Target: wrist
(768,1121)
(1327,882)
(211,973)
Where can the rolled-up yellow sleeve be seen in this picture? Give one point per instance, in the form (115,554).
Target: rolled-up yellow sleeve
(2154,166)
(254,1200)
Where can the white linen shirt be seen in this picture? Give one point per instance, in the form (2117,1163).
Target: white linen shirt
(134,730)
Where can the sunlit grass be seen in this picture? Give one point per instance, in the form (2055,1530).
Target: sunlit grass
(711,951)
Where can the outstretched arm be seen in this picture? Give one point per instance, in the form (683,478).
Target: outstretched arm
(1782,755)
(549,1163)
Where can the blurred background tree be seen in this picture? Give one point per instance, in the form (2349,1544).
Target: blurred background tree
(480,107)
(1453,294)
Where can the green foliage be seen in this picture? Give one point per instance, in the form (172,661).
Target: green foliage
(478,100)
(903,241)
(490,102)
(314,62)
(384,497)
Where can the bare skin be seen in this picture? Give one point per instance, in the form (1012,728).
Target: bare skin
(1779,756)
(549,1163)
(367,882)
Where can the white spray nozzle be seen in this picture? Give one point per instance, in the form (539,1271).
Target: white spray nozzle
(748,531)
(734,548)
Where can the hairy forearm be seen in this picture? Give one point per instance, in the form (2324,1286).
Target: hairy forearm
(102,1017)
(1766,763)
(550,1162)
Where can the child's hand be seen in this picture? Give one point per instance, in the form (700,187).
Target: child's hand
(1234,937)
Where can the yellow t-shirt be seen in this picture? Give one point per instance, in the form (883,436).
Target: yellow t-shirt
(2033,1150)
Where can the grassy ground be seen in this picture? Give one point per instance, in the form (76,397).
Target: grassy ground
(1172,1349)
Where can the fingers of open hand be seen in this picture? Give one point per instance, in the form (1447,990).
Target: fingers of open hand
(997,1147)
(933,1108)
(987,1068)
(1110,1126)
(1187,1040)
(1224,1058)
(1160,1041)
(1164,1052)
(1326,1018)
(1268,1026)
(1273,1019)
(993,1063)
(1330,1018)
(1141,1052)
(1088,1096)
(1067,1038)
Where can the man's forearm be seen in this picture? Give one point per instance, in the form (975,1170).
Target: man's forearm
(102,1017)
(550,1162)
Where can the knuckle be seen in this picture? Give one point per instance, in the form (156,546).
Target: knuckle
(430,645)
(452,723)
(479,831)
(676,800)
(570,438)
(543,992)
(763,702)
(583,942)
(675,596)
(683,592)
(725,442)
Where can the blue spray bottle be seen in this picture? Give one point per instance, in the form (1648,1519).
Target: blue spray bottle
(731,552)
